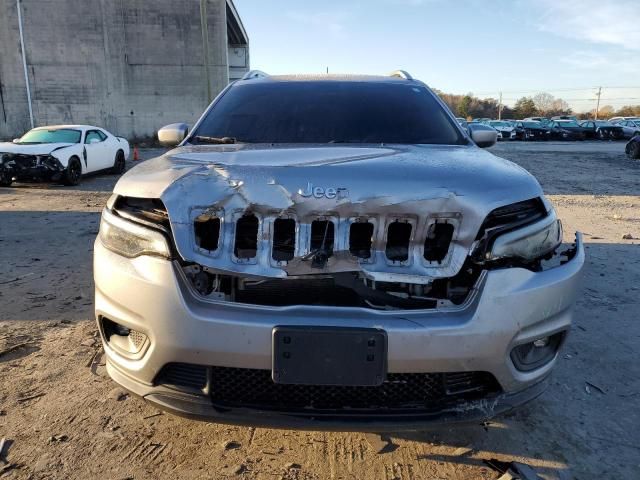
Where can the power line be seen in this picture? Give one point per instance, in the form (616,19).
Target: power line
(547,90)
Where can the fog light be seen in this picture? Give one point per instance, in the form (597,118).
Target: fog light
(123,339)
(537,353)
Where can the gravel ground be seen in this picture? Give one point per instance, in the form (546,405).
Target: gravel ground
(63,418)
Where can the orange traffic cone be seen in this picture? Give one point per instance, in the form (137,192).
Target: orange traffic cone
(136,154)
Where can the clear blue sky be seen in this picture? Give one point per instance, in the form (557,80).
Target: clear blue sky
(518,47)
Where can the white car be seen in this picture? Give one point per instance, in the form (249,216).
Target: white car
(505,129)
(630,128)
(61,153)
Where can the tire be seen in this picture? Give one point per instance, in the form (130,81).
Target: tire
(634,150)
(73,173)
(5,179)
(119,164)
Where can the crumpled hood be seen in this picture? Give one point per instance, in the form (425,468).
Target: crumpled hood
(463,183)
(35,149)
(401,172)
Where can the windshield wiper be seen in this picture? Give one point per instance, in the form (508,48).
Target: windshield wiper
(215,140)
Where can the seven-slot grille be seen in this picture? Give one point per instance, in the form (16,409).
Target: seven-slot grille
(254,388)
(322,235)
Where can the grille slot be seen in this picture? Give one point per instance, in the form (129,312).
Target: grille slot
(183,375)
(207,230)
(242,387)
(360,239)
(436,245)
(284,239)
(398,237)
(322,236)
(246,245)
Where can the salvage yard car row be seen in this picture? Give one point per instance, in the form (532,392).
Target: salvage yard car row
(562,128)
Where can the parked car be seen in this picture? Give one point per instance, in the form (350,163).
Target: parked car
(602,130)
(356,273)
(630,128)
(632,149)
(565,117)
(621,119)
(566,130)
(504,128)
(542,120)
(530,130)
(61,153)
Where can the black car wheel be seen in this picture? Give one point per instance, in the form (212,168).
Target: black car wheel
(73,173)
(633,150)
(119,163)
(5,179)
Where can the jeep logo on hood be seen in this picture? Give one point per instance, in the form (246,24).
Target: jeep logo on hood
(320,192)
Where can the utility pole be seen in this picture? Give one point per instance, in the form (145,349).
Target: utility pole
(24,63)
(205,48)
(598,102)
(500,107)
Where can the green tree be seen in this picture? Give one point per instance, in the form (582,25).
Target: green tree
(525,107)
(464,105)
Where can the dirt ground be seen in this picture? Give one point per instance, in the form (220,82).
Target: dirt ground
(63,419)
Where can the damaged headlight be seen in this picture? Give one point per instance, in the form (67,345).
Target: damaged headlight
(129,239)
(528,243)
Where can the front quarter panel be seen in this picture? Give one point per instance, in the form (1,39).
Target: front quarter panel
(65,153)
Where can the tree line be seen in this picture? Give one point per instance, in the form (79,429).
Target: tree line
(542,104)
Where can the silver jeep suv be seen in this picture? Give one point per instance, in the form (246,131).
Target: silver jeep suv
(332,252)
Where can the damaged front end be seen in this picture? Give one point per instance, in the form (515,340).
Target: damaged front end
(375,261)
(27,167)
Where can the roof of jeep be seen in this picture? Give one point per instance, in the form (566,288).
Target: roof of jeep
(330,78)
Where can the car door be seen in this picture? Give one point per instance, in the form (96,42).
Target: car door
(96,151)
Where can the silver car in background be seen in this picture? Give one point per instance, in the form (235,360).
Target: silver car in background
(332,252)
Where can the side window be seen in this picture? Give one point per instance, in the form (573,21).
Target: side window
(93,135)
(101,134)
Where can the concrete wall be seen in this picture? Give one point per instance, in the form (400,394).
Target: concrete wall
(130,66)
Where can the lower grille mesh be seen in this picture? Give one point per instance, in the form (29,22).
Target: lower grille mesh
(252,388)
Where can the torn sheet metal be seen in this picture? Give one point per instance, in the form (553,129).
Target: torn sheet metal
(414,184)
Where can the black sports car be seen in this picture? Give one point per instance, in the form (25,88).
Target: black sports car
(633,148)
(566,130)
(530,130)
(602,130)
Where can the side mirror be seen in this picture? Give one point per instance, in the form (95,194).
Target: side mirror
(172,135)
(15,140)
(484,137)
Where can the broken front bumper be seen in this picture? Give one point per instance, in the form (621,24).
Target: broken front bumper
(509,307)
(30,167)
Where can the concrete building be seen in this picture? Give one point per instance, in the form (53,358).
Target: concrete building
(130,66)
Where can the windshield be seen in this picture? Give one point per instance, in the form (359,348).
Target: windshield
(500,124)
(567,123)
(58,135)
(329,112)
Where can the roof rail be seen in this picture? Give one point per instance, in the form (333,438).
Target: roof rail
(254,74)
(401,74)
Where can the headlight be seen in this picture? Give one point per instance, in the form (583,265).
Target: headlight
(530,242)
(129,239)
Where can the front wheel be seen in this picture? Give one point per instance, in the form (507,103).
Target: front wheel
(5,179)
(634,150)
(73,173)
(119,163)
